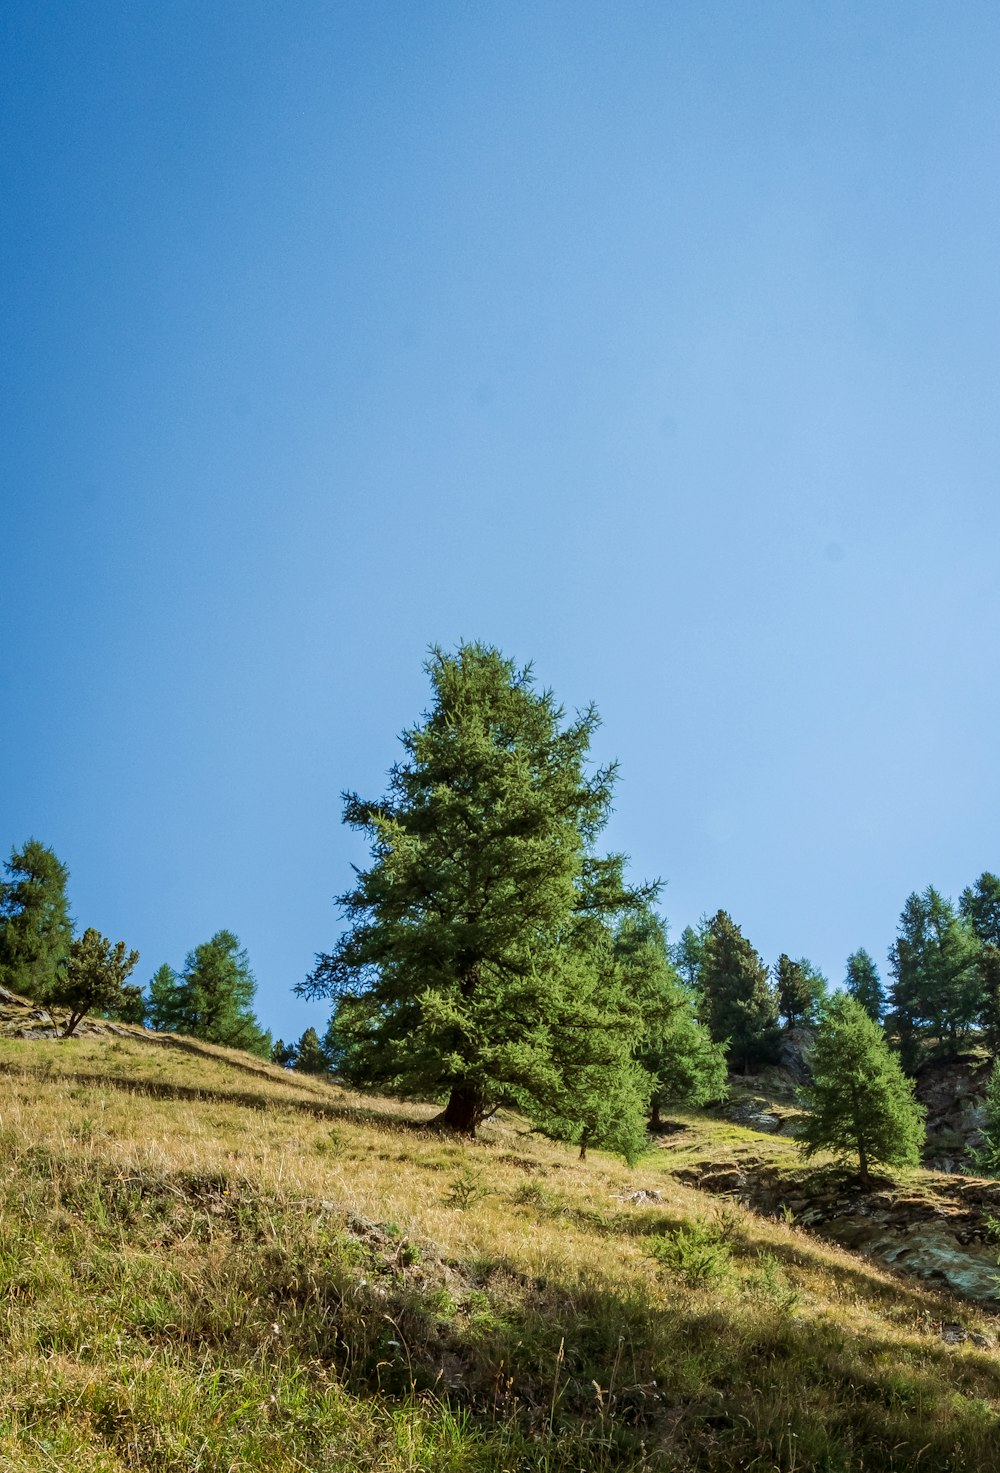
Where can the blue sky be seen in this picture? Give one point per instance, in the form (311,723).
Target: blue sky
(658,344)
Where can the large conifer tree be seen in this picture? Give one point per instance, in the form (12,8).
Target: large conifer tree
(476,965)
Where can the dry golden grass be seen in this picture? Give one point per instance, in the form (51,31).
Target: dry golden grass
(207,1262)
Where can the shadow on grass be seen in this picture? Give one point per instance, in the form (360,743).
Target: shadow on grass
(158,1089)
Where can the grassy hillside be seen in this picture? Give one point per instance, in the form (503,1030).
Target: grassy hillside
(206,1263)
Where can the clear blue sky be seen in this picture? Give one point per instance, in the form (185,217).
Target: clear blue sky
(657,343)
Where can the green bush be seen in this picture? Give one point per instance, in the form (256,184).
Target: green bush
(696,1252)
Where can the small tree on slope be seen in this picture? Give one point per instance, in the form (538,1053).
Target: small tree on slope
(861,1104)
(309,1056)
(93,979)
(217,991)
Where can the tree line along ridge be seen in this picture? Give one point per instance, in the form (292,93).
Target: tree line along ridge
(493,955)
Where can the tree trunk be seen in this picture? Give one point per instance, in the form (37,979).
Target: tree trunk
(583,1144)
(464,1110)
(863,1172)
(654,1114)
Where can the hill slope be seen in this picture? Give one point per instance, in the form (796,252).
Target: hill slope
(207,1263)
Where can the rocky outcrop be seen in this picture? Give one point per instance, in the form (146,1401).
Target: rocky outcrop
(940,1233)
(953,1095)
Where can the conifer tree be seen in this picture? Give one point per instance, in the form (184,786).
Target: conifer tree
(937,993)
(979,904)
(646,1050)
(688,952)
(467,971)
(989,984)
(738,1004)
(283,1054)
(93,978)
(800,989)
(987,1154)
(217,990)
(212,999)
(864,984)
(309,1055)
(684,1066)
(165,1011)
(861,1104)
(129,1008)
(36,931)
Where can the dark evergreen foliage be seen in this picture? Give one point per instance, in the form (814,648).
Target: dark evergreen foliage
(987,1155)
(937,993)
(684,1065)
(36,931)
(283,1054)
(979,904)
(687,953)
(861,1104)
(738,1004)
(309,1055)
(165,1009)
(93,978)
(800,989)
(864,984)
(212,999)
(130,1007)
(477,965)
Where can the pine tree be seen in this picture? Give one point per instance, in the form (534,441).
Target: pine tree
(466,972)
(283,1054)
(217,990)
(624,995)
(861,1104)
(989,983)
(738,1004)
(683,1064)
(987,1154)
(165,1010)
(129,1008)
(979,904)
(36,931)
(800,989)
(686,1067)
(864,984)
(688,952)
(93,978)
(937,994)
(309,1055)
